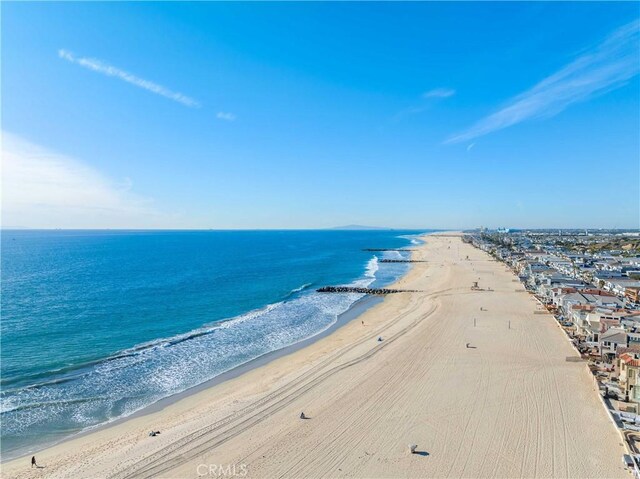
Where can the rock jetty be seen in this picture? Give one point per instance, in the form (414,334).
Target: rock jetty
(402,261)
(353,289)
(388,249)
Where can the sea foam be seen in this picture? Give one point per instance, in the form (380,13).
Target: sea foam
(123,383)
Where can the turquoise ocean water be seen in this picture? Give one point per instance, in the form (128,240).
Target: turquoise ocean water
(97,325)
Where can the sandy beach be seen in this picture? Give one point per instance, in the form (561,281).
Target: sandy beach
(510,405)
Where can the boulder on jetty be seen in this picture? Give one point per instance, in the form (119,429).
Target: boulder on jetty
(354,289)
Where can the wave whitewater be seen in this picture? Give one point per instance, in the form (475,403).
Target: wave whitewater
(85,395)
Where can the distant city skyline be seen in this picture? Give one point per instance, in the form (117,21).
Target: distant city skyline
(317,115)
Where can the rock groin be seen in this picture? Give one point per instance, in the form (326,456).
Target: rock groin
(354,289)
(388,249)
(402,261)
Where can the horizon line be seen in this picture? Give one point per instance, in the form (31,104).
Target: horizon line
(331,228)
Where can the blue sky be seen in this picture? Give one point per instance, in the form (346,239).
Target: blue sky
(303,115)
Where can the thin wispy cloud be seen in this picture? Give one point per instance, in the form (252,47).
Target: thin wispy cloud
(470,147)
(43,189)
(610,65)
(100,66)
(427,100)
(226,116)
(439,93)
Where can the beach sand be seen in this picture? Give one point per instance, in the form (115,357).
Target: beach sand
(509,406)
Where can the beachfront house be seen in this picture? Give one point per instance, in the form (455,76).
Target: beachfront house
(629,377)
(610,341)
(632,295)
(585,329)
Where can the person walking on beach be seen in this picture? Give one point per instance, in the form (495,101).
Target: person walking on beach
(33,461)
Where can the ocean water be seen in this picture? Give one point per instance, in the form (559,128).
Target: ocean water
(99,324)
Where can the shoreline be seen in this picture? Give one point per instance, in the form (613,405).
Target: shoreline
(354,311)
(509,406)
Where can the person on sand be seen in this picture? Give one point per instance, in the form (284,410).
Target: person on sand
(302,415)
(33,461)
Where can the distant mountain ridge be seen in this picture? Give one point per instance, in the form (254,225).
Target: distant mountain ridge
(360,227)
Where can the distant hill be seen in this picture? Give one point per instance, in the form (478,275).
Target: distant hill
(360,227)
